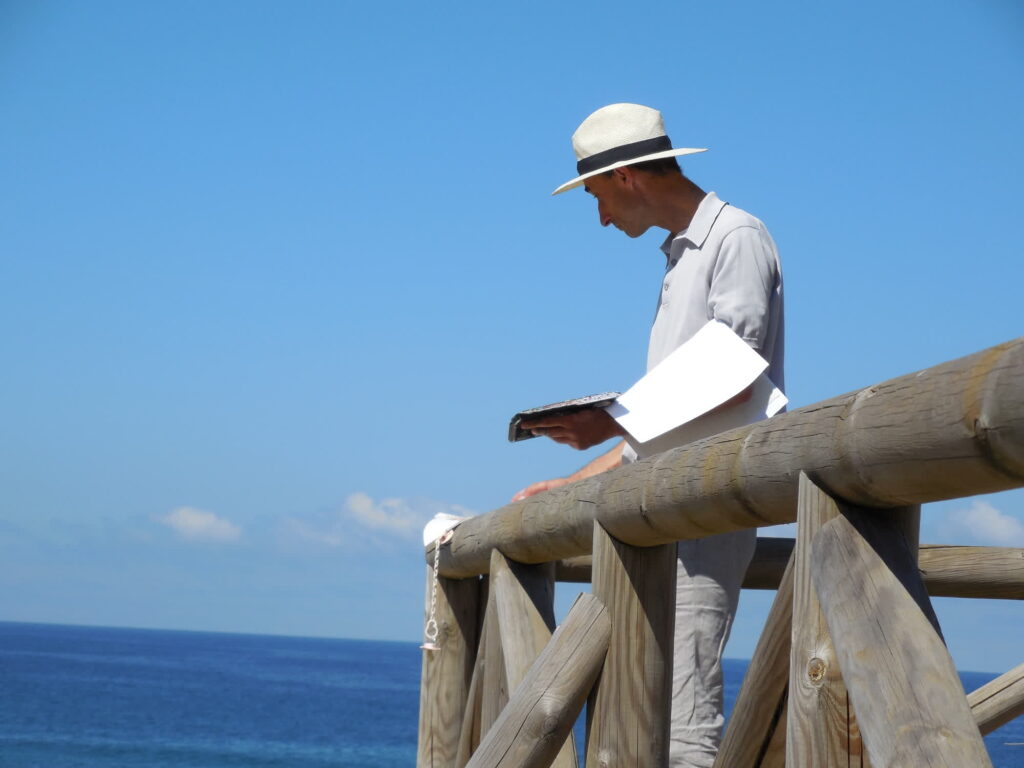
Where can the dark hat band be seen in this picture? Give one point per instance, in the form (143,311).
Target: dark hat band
(624,152)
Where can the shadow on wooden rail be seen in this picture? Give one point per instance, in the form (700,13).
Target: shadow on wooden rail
(851,668)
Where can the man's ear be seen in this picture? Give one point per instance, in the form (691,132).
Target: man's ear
(625,176)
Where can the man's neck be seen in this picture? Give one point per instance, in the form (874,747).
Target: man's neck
(675,200)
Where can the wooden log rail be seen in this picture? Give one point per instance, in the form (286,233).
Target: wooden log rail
(851,668)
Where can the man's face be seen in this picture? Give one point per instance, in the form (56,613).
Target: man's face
(619,202)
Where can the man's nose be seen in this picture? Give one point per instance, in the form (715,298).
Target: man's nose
(605,218)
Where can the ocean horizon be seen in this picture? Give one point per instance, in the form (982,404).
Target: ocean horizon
(98,697)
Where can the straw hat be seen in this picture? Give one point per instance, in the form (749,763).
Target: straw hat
(618,135)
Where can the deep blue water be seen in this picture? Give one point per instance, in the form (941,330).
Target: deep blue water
(77,697)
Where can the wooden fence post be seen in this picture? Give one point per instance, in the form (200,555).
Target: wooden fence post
(629,716)
(446,672)
(494,692)
(903,685)
(524,598)
(755,735)
(533,727)
(820,729)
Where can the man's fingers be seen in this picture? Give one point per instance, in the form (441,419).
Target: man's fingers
(535,488)
(546,421)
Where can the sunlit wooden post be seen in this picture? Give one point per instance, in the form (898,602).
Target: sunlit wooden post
(524,599)
(532,729)
(494,683)
(629,716)
(820,730)
(903,685)
(756,733)
(447,671)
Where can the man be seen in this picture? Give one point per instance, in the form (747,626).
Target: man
(721,264)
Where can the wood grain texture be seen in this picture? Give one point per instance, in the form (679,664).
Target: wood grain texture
(629,718)
(995,573)
(446,673)
(986,572)
(494,693)
(756,727)
(998,701)
(902,682)
(539,716)
(469,734)
(948,431)
(821,730)
(524,598)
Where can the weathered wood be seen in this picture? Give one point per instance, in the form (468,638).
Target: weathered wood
(494,695)
(469,734)
(902,682)
(541,712)
(987,572)
(757,723)
(629,721)
(995,573)
(524,598)
(998,701)
(818,727)
(446,672)
(953,430)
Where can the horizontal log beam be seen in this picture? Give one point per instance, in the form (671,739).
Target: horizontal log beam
(995,573)
(953,430)
(999,701)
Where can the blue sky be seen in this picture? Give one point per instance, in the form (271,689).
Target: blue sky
(274,276)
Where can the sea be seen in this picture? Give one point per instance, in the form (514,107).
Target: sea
(97,697)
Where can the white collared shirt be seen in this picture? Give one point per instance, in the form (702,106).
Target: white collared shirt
(724,266)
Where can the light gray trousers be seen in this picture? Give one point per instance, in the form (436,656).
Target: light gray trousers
(709,576)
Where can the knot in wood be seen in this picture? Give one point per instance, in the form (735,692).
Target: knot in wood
(816,669)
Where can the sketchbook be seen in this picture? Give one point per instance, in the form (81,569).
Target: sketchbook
(709,369)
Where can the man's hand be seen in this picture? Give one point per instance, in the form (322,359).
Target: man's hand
(602,463)
(543,485)
(579,429)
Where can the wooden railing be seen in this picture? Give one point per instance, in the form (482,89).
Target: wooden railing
(853,590)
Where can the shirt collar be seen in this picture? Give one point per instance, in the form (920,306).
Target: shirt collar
(700,225)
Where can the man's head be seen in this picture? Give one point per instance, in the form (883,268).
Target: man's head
(618,136)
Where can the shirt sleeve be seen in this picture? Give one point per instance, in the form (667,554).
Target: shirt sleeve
(742,283)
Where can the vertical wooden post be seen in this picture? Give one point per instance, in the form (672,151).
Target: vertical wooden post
(446,672)
(755,735)
(494,693)
(470,735)
(629,717)
(524,598)
(533,727)
(820,730)
(903,684)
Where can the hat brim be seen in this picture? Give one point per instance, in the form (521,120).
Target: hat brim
(656,156)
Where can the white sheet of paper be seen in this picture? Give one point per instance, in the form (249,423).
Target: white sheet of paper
(713,366)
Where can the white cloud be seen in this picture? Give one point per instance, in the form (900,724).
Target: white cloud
(198,525)
(366,521)
(391,515)
(983,524)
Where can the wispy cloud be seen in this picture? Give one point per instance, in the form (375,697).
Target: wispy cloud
(198,525)
(982,523)
(362,519)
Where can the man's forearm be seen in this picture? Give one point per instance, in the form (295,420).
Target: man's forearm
(602,463)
